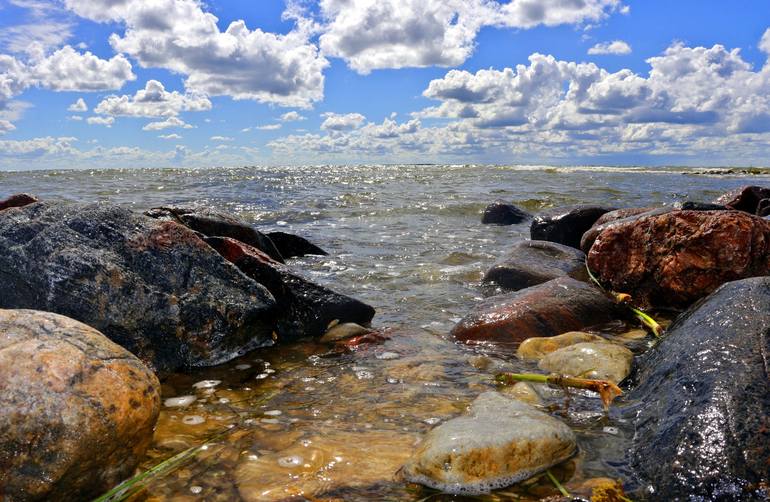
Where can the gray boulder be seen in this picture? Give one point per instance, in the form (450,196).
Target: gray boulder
(530,263)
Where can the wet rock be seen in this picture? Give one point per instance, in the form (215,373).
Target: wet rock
(290,245)
(18,200)
(500,213)
(551,308)
(594,360)
(499,442)
(621,214)
(566,225)
(703,430)
(538,347)
(151,286)
(744,199)
(672,259)
(76,411)
(343,331)
(213,223)
(700,206)
(763,208)
(303,308)
(529,263)
(589,237)
(524,392)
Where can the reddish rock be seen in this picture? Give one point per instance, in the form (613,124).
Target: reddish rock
(673,259)
(744,199)
(548,309)
(618,217)
(620,214)
(18,200)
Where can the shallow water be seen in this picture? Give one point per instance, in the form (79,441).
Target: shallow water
(310,422)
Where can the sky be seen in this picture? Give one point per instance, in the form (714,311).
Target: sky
(188,83)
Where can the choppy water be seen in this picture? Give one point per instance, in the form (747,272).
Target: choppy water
(406,239)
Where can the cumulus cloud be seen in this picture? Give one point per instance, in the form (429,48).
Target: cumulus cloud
(105,121)
(268,127)
(221,138)
(152,101)
(6,126)
(76,118)
(616,47)
(170,136)
(180,36)
(166,124)
(291,116)
(78,106)
(339,122)
(764,43)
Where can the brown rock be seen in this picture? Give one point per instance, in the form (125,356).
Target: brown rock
(18,200)
(76,411)
(618,218)
(672,259)
(744,199)
(548,309)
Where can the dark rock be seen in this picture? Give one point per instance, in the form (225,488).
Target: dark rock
(701,206)
(603,224)
(304,309)
(18,200)
(673,259)
(703,422)
(216,224)
(500,213)
(77,411)
(151,286)
(566,225)
(549,309)
(529,263)
(621,214)
(763,207)
(744,199)
(290,245)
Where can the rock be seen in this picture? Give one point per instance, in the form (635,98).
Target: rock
(524,392)
(672,259)
(551,308)
(589,237)
(529,263)
(621,214)
(499,442)
(77,411)
(303,308)
(290,245)
(343,331)
(744,199)
(763,208)
(538,347)
(500,213)
(703,424)
(566,225)
(213,223)
(151,286)
(594,360)
(18,200)
(700,206)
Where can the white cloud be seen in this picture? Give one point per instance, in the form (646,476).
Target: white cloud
(221,138)
(152,101)
(170,136)
(268,127)
(6,126)
(78,106)
(291,116)
(35,38)
(105,121)
(76,118)
(178,35)
(69,70)
(616,47)
(764,43)
(340,122)
(166,124)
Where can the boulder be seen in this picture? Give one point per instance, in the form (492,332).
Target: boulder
(703,419)
(303,308)
(500,213)
(499,442)
(594,360)
(589,237)
(18,200)
(530,263)
(621,214)
(672,259)
(77,411)
(151,286)
(566,225)
(211,223)
(551,308)
(700,206)
(538,347)
(744,199)
(290,245)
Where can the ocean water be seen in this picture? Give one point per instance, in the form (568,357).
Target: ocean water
(308,424)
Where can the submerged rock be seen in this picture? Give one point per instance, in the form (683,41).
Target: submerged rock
(593,360)
(538,347)
(343,331)
(151,286)
(529,263)
(551,308)
(672,259)
(566,225)
(702,427)
(499,442)
(18,200)
(290,245)
(76,411)
(303,308)
(500,213)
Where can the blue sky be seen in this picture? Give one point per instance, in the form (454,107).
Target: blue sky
(155,83)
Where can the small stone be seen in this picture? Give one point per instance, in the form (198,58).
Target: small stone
(538,347)
(179,402)
(524,392)
(600,361)
(343,331)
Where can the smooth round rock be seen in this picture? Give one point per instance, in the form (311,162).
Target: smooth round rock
(601,361)
(529,263)
(524,392)
(77,411)
(499,442)
(538,347)
(343,331)
(500,213)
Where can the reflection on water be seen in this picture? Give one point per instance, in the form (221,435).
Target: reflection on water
(310,422)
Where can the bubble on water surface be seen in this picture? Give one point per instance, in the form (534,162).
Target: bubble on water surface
(290,461)
(387,356)
(193,420)
(179,402)
(196,489)
(207,384)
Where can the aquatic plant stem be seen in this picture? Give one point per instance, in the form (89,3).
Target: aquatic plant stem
(556,483)
(607,390)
